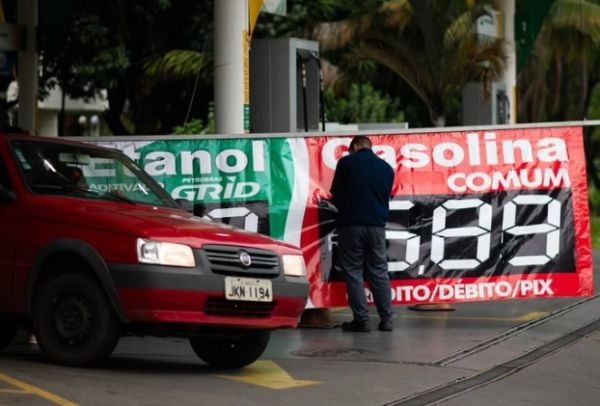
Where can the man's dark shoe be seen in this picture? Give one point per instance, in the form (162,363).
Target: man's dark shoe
(386,325)
(356,326)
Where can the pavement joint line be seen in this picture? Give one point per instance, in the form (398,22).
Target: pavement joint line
(460,386)
(474,318)
(485,344)
(51,397)
(447,316)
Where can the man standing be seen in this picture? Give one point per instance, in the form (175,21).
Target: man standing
(361,189)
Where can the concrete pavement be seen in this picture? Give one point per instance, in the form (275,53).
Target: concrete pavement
(527,352)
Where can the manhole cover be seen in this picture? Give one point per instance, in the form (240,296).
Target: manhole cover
(334,352)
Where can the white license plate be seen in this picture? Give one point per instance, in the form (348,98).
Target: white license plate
(253,290)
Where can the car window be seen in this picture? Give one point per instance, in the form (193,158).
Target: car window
(82,171)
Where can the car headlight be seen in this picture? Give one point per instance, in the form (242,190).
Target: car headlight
(293,265)
(165,253)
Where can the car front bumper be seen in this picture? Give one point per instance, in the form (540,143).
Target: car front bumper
(163,294)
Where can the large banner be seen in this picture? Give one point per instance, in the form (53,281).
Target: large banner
(481,215)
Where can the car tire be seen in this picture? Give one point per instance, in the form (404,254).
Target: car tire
(8,330)
(231,352)
(74,322)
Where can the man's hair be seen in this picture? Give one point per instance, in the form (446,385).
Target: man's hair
(360,142)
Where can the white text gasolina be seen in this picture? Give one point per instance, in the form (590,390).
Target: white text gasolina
(480,150)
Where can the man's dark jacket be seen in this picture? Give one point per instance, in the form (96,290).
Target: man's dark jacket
(361,189)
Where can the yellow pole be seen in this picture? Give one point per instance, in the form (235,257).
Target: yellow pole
(254,7)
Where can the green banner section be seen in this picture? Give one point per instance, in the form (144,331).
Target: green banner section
(249,179)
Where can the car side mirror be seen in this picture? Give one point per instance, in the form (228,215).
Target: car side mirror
(185,204)
(7,195)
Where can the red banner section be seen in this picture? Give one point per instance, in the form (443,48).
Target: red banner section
(481,215)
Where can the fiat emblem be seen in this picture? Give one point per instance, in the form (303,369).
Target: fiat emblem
(245,259)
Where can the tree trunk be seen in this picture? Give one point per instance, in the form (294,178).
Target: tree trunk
(586,97)
(61,113)
(116,103)
(555,89)
(585,91)
(436,113)
(592,171)
(563,108)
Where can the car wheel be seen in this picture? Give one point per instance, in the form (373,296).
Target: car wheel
(234,352)
(74,322)
(8,329)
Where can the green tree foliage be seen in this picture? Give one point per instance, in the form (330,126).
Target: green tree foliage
(559,81)
(428,44)
(592,145)
(197,125)
(147,54)
(363,104)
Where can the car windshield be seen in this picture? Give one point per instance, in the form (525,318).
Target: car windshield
(74,170)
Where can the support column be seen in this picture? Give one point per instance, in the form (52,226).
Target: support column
(28,66)
(231,28)
(507,8)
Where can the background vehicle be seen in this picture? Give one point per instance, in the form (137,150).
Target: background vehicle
(91,248)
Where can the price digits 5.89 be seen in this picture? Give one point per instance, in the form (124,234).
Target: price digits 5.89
(523,231)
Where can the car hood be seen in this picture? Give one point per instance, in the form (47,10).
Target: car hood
(151,222)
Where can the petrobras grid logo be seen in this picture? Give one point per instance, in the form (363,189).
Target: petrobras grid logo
(199,170)
(230,189)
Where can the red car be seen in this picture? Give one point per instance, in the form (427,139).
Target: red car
(92,248)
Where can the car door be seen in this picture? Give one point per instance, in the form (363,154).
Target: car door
(7,236)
